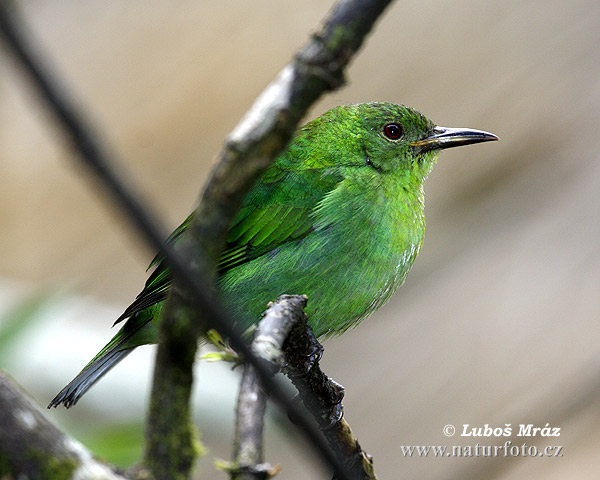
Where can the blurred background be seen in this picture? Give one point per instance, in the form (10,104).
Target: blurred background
(498,321)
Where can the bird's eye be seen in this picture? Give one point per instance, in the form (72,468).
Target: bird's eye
(393,131)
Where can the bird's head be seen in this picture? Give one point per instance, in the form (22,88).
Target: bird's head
(390,137)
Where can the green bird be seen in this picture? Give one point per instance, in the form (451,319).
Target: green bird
(338,216)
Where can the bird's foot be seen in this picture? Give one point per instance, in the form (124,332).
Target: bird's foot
(304,365)
(336,411)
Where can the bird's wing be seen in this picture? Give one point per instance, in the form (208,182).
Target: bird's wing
(277,210)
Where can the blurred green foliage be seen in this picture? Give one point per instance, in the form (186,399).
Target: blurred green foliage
(119,444)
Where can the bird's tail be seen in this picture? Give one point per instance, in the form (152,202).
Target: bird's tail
(92,372)
(137,330)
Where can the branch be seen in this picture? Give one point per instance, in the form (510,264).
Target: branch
(285,341)
(322,396)
(265,130)
(171,447)
(248,438)
(267,345)
(31,447)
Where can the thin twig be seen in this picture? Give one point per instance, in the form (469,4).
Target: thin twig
(249,423)
(267,345)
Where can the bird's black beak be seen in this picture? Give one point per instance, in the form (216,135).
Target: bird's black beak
(444,137)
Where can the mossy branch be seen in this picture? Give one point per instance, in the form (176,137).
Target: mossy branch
(31,447)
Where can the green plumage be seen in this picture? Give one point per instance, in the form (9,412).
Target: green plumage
(338,216)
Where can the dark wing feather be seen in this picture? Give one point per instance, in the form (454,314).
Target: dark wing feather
(155,291)
(156,287)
